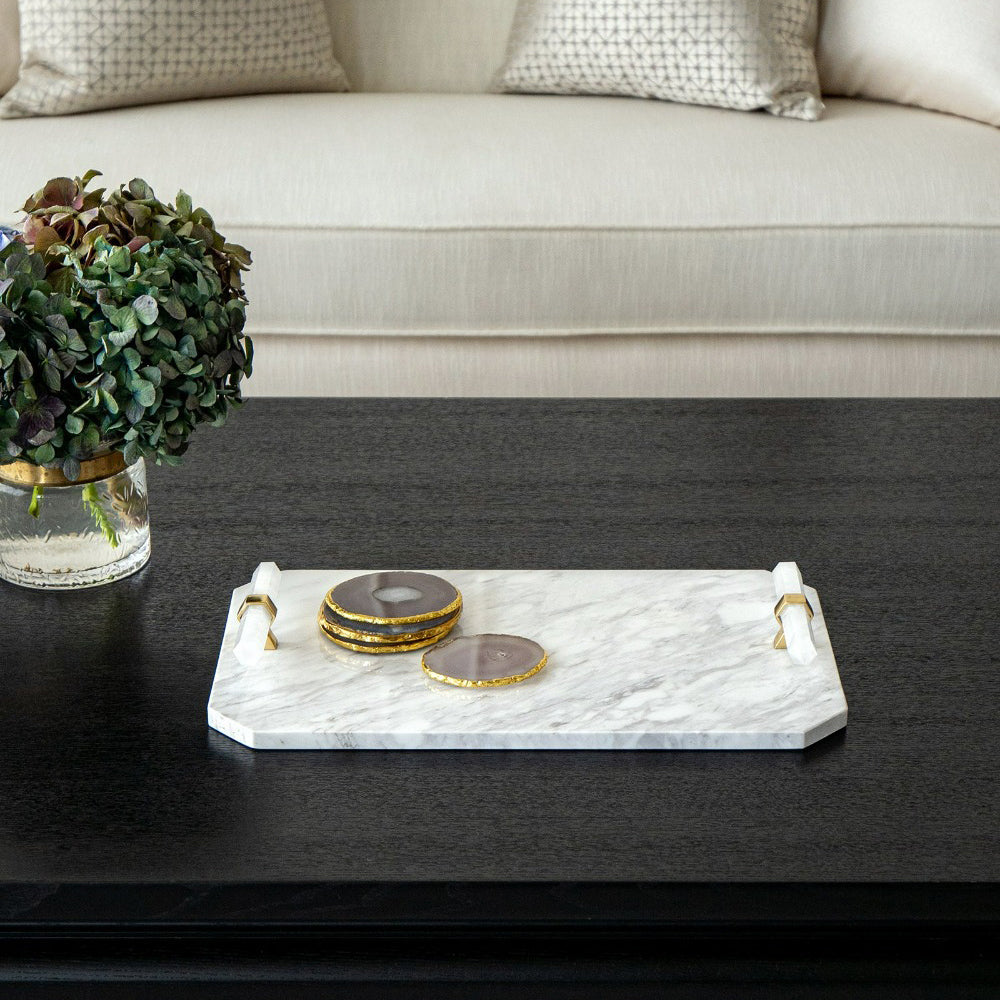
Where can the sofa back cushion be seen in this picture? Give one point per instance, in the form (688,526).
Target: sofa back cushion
(10,44)
(385,45)
(450,46)
(938,54)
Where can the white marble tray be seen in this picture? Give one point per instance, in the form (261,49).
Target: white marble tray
(638,659)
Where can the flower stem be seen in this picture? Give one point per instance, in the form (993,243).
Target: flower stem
(92,501)
(36,498)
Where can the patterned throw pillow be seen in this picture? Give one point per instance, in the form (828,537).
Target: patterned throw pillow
(731,53)
(83,55)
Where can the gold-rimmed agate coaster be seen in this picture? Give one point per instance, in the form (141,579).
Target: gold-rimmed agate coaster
(360,635)
(392,602)
(351,627)
(390,612)
(480,661)
(359,646)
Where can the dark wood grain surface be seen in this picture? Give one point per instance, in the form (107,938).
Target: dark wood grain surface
(119,807)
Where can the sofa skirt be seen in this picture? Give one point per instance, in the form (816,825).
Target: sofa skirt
(621,365)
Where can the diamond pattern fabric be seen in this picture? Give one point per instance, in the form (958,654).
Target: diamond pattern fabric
(84,55)
(743,54)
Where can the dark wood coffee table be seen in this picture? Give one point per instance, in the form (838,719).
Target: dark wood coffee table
(138,846)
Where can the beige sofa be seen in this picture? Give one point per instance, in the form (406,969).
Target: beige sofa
(422,237)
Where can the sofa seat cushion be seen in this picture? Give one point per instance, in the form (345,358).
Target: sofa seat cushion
(474,214)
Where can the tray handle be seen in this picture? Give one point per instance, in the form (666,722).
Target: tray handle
(257,613)
(793,613)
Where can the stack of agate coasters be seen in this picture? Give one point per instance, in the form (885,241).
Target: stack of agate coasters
(480,661)
(390,612)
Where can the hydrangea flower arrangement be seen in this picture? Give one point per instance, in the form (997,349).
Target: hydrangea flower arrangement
(121,326)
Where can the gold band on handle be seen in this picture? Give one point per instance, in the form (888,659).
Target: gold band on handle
(799,600)
(258,601)
(786,601)
(265,602)
(28,474)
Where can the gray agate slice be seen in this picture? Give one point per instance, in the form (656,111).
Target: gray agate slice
(393,598)
(484,660)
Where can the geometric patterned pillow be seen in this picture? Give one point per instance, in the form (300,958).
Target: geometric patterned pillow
(730,53)
(83,55)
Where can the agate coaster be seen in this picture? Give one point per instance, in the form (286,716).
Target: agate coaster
(360,642)
(412,634)
(391,612)
(361,646)
(393,598)
(341,624)
(478,661)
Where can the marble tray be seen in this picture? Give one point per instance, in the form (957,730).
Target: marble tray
(638,659)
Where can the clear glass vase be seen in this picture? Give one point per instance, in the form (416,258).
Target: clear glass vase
(61,535)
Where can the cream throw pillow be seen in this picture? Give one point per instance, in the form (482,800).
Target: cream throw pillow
(742,54)
(938,54)
(10,49)
(83,55)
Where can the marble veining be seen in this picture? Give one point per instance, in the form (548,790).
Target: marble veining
(638,659)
